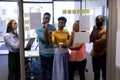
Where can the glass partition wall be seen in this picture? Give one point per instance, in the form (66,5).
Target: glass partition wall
(72,11)
(38,9)
(6,14)
(33,17)
(8,10)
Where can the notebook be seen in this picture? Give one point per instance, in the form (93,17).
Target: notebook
(29,44)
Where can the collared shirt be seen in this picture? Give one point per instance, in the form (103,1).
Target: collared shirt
(45,49)
(12,42)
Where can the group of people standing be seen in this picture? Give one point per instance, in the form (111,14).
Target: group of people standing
(60,63)
(63,64)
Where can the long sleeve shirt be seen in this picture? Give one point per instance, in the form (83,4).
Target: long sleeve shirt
(45,48)
(12,42)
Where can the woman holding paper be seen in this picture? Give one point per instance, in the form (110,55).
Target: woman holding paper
(77,57)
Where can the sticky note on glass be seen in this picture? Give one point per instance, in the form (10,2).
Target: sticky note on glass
(26,14)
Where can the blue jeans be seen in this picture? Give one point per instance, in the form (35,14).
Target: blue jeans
(46,66)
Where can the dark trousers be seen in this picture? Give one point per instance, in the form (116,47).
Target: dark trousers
(14,66)
(99,64)
(80,66)
(46,65)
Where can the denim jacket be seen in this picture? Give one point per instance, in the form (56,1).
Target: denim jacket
(45,49)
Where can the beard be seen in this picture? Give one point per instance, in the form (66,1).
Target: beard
(99,25)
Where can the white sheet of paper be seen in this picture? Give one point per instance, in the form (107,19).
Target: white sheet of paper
(35,20)
(81,37)
(84,23)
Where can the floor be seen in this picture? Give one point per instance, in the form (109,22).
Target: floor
(36,64)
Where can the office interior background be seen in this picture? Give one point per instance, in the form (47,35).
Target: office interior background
(9,9)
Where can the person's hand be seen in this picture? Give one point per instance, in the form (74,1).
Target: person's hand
(72,33)
(61,45)
(50,32)
(47,25)
(46,32)
(28,48)
(64,46)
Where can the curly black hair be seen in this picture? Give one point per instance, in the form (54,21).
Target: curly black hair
(62,18)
